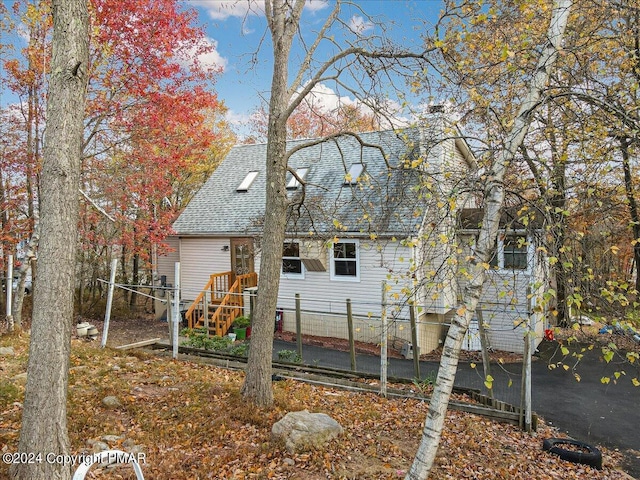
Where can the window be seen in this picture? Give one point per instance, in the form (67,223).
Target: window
(246,183)
(355,171)
(512,253)
(291,263)
(293,182)
(345,260)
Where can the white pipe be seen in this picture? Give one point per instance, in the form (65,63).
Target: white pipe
(9,284)
(176,311)
(107,313)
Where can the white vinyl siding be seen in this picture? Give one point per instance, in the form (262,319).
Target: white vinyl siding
(506,305)
(319,293)
(201,257)
(167,261)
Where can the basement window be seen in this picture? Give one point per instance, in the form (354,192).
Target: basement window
(355,171)
(248,180)
(293,182)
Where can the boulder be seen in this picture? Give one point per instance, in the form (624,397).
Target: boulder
(302,430)
(111,402)
(9,351)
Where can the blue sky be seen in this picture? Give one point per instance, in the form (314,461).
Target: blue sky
(238,28)
(242,49)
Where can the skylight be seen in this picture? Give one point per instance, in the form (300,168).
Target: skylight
(294,183)
(355,171)
(248,180)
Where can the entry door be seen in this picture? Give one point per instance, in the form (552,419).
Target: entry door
(242,255)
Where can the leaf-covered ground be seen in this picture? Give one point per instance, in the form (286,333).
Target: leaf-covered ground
(191,423)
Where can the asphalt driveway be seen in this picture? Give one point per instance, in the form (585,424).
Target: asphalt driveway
(587,410)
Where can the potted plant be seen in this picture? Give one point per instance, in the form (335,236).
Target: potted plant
(240,326)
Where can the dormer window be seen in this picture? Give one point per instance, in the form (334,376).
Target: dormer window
(355,171)
(248,180)
(293,182)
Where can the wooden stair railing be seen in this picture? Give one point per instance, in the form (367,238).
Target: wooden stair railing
(227,307)
(232,305)
(212,294)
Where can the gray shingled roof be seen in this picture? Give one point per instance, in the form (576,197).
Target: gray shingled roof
(383,202)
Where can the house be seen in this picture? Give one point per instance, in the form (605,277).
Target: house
(380,206)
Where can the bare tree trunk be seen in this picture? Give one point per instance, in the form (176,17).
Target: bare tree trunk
(44,419)
(493,201)
(283,22)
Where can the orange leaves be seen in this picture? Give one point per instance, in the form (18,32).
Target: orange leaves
(191,422)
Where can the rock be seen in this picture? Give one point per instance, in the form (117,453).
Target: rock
(290,462)
(7,351)
(111,402)
(128,443)
(301,430)
(136,450)
(98,447)
(20,378)
(112,438)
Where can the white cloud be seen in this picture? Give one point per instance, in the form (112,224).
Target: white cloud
(326,99)
(316,5)
(388,112)
(204,53)
(237,119)
(223,9)
(359,25)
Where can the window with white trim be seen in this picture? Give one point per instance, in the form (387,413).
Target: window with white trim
(291,263)
(345,260)
(512,253)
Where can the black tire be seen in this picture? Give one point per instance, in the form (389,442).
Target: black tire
(592,456)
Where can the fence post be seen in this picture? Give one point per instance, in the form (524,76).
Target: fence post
(298,327)
(484,347)
(414,342)
(352,343)
(176,311)
(9,290)
(169,295)
(107,313)
(383,342)
(525,402)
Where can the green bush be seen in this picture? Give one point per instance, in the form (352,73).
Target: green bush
(241,322)
(289,356)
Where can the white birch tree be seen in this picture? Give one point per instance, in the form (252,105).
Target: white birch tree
(492,204)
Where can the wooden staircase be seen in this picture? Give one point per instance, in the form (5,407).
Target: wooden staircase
(221,302)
